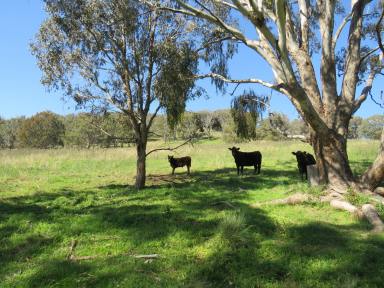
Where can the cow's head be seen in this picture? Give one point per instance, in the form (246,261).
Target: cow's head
(234,150)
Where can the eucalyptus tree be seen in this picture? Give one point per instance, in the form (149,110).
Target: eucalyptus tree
(119,55)
(246,110)
(301,40)
(43,130)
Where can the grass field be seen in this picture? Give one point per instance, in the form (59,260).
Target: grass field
(202,226)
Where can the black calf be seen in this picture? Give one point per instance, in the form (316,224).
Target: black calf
(246,159)
(303,160)
(179,162)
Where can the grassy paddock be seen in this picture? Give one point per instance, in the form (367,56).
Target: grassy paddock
(202,226)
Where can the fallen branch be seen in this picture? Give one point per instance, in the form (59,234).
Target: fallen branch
(368,211)
(331,196)
(344,205)
(294,199)
(149,256)
(379,191)
(169,148)
(372,216)
(79,258)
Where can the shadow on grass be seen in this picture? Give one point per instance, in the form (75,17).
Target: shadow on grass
(70,274)
(259,253)
(222,184)
(312,255)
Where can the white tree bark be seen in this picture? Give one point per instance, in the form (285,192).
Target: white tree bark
(285,47)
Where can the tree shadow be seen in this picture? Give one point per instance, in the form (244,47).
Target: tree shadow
(53,271)
(22,250)
(311,255)
(261,254)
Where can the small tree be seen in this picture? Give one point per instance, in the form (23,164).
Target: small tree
(8,132)
(44,130)
(298,127)
(190,126)
(118,55)
(372,127)
(79,132)
(354,127)
(246,110)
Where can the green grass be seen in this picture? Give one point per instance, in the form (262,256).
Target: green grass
(202,226)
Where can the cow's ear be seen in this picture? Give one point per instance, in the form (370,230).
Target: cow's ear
(294,153)
(230,149)
(238,149)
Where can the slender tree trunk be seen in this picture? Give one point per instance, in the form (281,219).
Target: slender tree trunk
(141,147)
(332,160)
(374,175)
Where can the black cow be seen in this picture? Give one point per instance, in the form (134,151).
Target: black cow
(303,160)
(246,159)
(179,162)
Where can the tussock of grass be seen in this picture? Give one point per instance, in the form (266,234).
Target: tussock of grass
(48,198)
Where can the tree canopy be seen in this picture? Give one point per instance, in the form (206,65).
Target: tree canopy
(119,55)
(301,40)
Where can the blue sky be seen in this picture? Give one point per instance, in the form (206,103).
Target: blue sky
(21,92)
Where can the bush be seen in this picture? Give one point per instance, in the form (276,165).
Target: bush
(44,130)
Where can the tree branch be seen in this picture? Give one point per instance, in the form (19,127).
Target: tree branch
(378,31)
(210,17)
(169,148)
(128,140)
(240,81)
(366,90)
(340,29)
(153,116)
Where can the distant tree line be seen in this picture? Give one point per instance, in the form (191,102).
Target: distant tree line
(85,130)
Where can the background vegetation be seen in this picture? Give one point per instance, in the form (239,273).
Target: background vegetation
(86,130)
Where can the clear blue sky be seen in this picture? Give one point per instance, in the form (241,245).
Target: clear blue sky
(21,92)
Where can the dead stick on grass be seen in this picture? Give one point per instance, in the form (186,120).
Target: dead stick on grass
(72,248)
(294,199)
(149,256)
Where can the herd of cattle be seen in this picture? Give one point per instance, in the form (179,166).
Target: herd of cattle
(248,159)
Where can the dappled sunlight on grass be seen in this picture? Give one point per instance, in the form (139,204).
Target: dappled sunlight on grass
(202,226)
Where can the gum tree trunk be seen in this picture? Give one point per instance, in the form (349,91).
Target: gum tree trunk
(141,148)
(374,175)
(332,160)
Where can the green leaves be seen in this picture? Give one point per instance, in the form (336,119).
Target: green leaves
(175,83)
(245,110)
(44,130)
